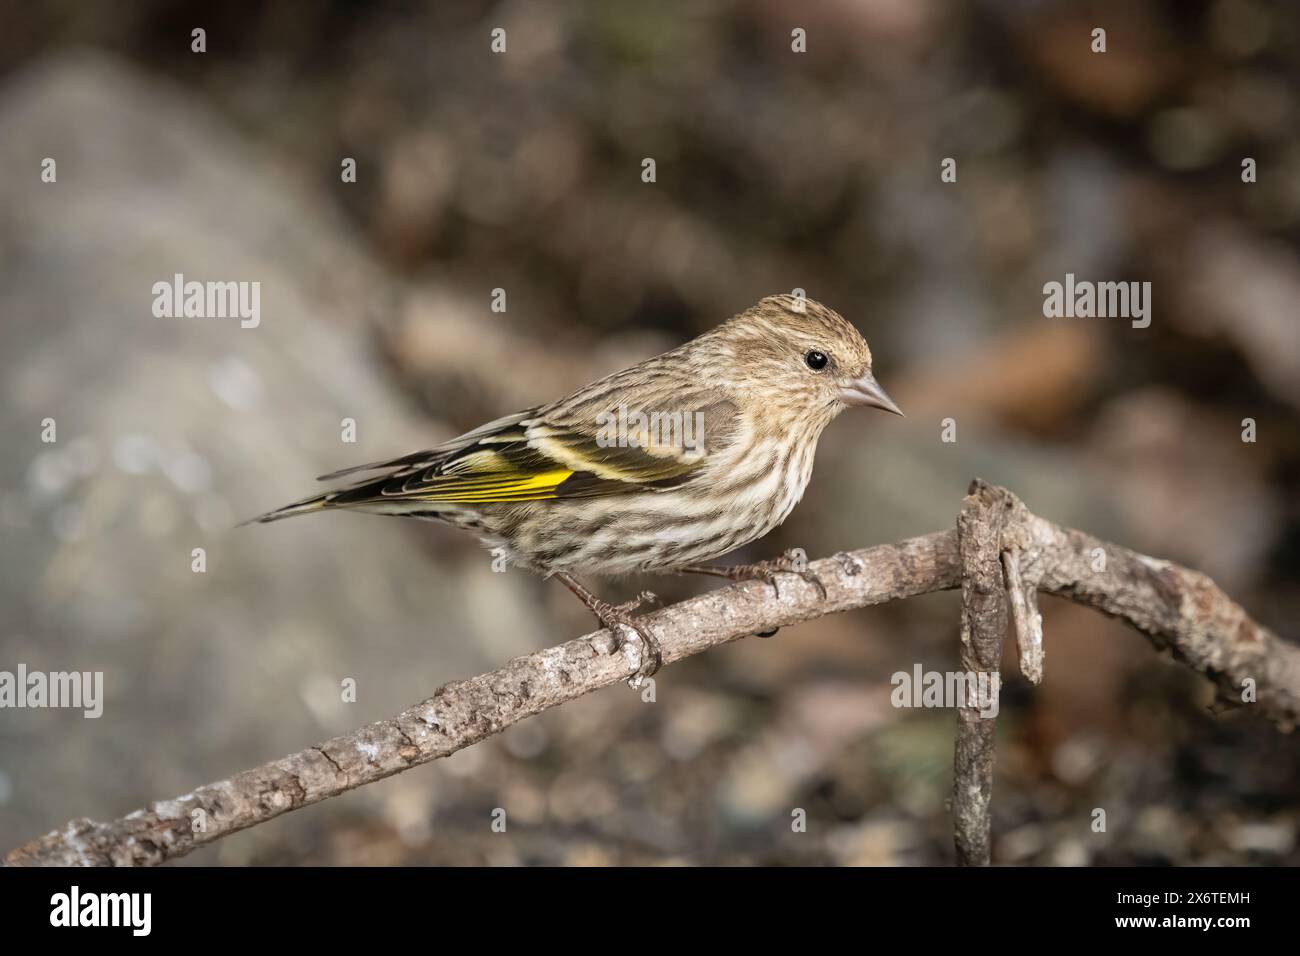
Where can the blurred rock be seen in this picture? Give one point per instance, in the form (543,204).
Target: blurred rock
(169,430)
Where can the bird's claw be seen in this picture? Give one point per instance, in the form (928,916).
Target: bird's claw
(794,561)
(616,616)
(645,597)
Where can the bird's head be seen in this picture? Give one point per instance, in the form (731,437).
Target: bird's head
(800,355)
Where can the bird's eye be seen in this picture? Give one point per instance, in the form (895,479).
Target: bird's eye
(816,360)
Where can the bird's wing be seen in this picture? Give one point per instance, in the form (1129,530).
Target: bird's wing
(535,456)
(432,456)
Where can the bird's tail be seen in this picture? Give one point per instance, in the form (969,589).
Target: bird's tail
(364,496)
(305,506)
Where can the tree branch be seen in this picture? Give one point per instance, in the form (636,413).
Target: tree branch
(983,624)
(1176,608)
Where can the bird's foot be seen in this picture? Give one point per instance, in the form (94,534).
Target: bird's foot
(794,561)
(618,616)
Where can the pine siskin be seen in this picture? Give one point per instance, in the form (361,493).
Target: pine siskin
(660,467)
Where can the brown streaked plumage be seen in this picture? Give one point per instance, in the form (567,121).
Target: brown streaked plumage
(664,465)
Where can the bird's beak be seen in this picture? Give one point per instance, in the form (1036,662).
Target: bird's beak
(866,391)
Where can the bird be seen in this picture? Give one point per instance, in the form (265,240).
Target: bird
(662,467)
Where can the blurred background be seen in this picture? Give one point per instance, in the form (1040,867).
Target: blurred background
(522,171)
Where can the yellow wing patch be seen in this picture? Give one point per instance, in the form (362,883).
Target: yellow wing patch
(501,487)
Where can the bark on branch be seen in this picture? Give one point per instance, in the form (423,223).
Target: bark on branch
(1176,608)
